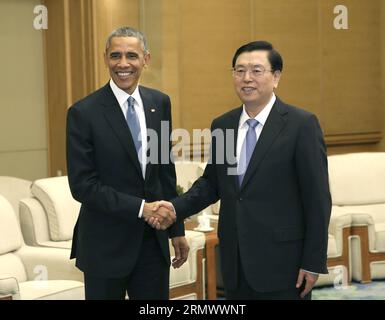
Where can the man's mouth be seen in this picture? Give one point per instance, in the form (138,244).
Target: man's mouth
(248,89)
(124,74)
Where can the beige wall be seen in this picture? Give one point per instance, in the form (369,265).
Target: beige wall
(337,74)
(293,28)
(333,73)
(382,144)
(74,47)
(109,15)
(23,143)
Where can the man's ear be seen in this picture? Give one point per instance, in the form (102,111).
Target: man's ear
(276,78)
(105,58)
(147,58)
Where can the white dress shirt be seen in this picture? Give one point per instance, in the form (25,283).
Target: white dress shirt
(122,97)
(243,126)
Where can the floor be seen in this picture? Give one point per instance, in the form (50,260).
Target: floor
(355,291)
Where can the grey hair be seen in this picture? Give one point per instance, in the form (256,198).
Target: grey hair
(127,32)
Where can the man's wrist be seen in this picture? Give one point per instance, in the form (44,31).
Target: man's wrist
(147,209)
(140,215)
(315,273)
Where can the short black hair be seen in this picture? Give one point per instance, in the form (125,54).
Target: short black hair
(274,57)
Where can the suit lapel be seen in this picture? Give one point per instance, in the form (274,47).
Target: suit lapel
(152,114)
(273,126)
(117,121)
(233,125)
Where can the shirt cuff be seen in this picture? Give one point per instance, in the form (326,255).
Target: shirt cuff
(173,208)
(315,273)
(141,210)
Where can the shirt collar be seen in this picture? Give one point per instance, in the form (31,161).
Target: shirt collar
(262,116)
(121,95)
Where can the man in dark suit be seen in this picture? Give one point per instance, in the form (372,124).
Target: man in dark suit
(274,213)
(108,173)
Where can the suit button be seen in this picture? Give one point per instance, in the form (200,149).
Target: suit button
(240,199)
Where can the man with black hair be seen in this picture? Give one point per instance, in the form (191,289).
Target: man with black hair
(110,176)
(275,209)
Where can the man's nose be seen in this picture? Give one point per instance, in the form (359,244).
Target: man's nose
(124,61)
(247,77)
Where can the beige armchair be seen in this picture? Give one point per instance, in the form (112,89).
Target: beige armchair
(30,273)
(49,215)
(186,173)
(357,183)
(187,282)
(13,189)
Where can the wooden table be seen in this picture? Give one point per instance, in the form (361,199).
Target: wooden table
(211,265)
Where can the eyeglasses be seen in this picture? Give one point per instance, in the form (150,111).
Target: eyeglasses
(255,72)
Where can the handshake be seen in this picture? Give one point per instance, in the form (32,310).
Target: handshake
(159,214)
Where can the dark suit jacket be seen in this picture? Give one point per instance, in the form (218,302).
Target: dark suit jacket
(105,176)
(277,221)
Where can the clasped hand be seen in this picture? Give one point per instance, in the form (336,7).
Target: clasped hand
(159,214)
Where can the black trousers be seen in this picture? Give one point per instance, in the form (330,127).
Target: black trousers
(245,292)
(148,281)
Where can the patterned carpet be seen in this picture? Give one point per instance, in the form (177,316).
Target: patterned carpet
(355,291)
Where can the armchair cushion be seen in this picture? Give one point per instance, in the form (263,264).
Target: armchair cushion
(52,290)
(62,210)
(11,264)
(9,286)
(48,264)
(380,236)
(332,246)
(367,214)
(357,178)
(14,189)
(180,276)
(33,222)
(11,238)
(186,171)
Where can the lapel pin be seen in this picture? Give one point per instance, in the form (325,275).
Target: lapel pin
(152,110)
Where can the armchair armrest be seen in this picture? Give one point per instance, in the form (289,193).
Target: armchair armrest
(339,219)
(33,222)
(196,241)
(9,287)
(49,264)
(365,219)
(361,219)
(188,281)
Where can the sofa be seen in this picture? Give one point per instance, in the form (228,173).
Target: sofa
(48,217)
(33,273)
(14,189)
(357,184)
